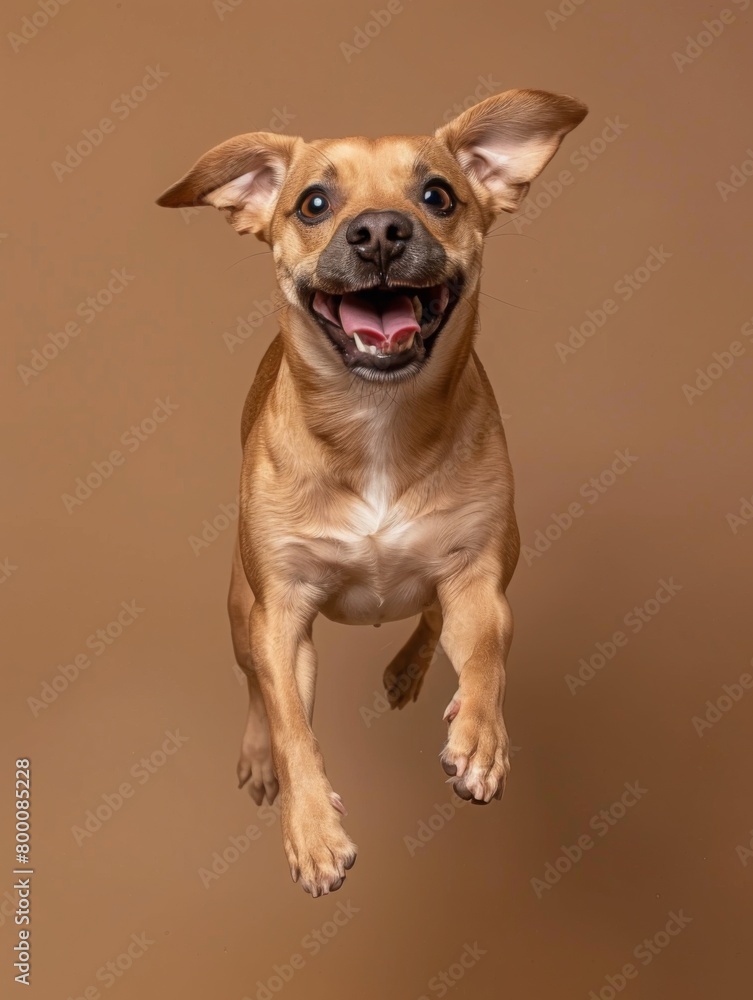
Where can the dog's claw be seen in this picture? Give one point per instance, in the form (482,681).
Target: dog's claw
(460,765)
(337,802)
(451,711)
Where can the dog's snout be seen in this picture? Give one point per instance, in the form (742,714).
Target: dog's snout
(379,236)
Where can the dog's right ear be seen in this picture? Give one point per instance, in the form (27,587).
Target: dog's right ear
(242,177)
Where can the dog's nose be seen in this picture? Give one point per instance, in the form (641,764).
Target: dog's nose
(379,236)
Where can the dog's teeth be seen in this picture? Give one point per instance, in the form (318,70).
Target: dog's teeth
(417,308)
(407,344)
(364,348)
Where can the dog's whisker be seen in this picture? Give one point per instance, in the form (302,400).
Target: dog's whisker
(467,299)
(514,305)
(504,225)
(261,253)
(523,236)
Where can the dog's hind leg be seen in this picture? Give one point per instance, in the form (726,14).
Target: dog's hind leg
(255,761)
(404,676)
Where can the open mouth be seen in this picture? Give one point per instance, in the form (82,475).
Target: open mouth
(387,331)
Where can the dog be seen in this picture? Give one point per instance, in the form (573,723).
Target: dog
(376,484)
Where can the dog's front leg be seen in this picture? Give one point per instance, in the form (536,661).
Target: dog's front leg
(318,849)
(476,637)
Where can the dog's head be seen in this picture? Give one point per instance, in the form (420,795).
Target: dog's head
(375,242)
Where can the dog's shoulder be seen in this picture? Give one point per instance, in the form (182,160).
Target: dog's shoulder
(266,375)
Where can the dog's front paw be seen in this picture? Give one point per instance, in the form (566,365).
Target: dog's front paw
(476,754)
(319,851)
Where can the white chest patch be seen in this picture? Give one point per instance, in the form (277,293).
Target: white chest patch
(378,565)
(375,560)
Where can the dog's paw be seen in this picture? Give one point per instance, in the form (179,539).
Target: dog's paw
(319,851)
(476,754)
(403,679)
(255,766)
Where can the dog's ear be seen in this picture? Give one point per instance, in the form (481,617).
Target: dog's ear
(242,177)
(504,142)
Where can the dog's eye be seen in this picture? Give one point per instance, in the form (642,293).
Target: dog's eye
(439,198)
(314,204)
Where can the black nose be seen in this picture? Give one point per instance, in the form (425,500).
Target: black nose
(379,236)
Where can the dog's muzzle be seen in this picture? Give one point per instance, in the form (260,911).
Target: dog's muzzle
(380,293)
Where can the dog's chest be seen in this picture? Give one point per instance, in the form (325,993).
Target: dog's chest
(384,564)
(375,562)
(374,553)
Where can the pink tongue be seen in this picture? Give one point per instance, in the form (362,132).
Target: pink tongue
(361,315)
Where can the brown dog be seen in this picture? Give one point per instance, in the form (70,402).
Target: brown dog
(375,483)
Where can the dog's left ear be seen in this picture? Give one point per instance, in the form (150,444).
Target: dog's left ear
(242,177)
(504,142)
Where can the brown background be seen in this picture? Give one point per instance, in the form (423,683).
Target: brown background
(162,337)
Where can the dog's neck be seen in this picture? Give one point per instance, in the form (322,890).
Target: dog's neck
(398,428)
